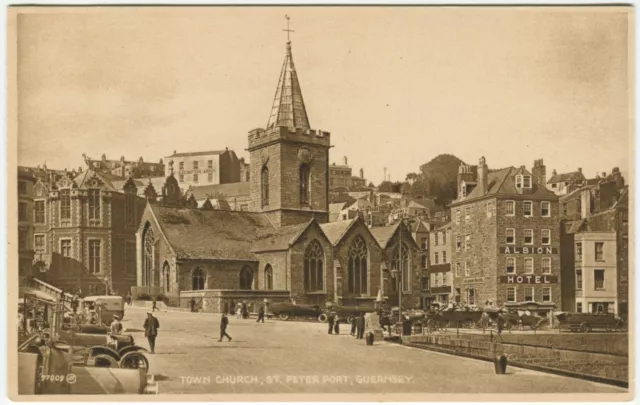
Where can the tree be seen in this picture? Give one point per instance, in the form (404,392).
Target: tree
(385,187)
(412,177)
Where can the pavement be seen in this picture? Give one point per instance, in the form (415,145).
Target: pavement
(301,357)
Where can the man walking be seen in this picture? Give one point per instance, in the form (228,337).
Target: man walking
(151,326)
(354,320)
(155,305)
(336,329)
(330,319)
(261,314)
(361,326)
(223,327)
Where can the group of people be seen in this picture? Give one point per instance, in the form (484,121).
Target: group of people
(357,325)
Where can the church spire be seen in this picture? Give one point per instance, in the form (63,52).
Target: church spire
(288,108)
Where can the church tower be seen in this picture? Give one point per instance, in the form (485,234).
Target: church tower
(289,177)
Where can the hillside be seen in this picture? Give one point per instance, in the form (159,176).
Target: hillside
(437,178)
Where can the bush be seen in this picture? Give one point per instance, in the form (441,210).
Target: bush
(144,297)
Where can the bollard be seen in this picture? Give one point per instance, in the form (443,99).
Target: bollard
(500,364)
(369,339)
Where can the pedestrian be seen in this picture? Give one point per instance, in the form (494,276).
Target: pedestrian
(224,321)
(155,305)
(336,329)
(116,326)
(151,326)
(245,312)
(361,326)
(261,314)
(354,320)
(129,298)
(330,319)
(239,310)
(500,324)
(74,304)
(192,304)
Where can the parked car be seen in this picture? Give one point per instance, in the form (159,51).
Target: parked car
(586,322)
(346,312)
(285,310)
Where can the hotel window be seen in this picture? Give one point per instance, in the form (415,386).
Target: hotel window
(511,265)
(457,217)
(457,269)
(511,294)
(444,257)
(527,208)
(579,307)
(435,258)
(528,236)
(528,294)
(22,211)
(598,279)
(467,269)
(467,213)
(546,294)
(510,208)
(578,251)
(546,265)
(195,165)
(458,243)
(195,177)
(94,256)
(526,181)
(39,243)
(545,209)
(599,247)
(528,265)
(579,279)
(511,236)
(210,164)
(39,212)
(65,247)
(471,296)
(94,204)
(467,242)
(210,177)
(65,204)
(546,237)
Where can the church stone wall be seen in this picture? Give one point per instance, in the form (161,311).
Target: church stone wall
(279,266)
(219,275)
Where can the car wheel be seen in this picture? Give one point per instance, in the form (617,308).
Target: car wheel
(135,360)
(584,327)
(322,318)
(104,360)
(283,316)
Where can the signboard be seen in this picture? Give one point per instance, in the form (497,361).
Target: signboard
(473,280)
(528,250)
(529,279)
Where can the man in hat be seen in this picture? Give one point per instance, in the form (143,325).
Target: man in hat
(151,326)
(116,326)
(261,314)
(224,321)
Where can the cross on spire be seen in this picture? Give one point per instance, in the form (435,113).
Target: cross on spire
(288,30)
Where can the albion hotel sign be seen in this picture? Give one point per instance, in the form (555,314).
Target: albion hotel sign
(528,279)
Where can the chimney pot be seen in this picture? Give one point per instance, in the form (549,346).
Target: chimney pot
(579,169)
(345,161)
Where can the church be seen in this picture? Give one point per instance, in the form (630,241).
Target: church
(283,249)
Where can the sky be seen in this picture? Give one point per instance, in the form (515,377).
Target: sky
(395,86)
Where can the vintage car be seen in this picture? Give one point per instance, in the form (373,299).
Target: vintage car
(285,310)
(346,312)
(587,322)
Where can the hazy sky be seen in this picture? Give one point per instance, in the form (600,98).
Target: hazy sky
(394,86)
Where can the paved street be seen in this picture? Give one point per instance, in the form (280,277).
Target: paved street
(299,357)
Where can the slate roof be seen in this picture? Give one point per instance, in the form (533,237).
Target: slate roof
(383,234)
(577,192)
(141,184)
(229,190)
(201,234)
(334,231)
(418,226)
(211,152)
(274,239)
(107,178)
(334,210)
(566,177)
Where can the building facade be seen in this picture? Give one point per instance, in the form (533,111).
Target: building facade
(340,177)
(206,167)
(124,168)
(439,272)
(564,183)
(506,237)
(26,181)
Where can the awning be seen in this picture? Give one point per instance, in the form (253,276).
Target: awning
(33,293)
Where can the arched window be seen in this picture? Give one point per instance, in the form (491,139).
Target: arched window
(304,183)
(358,267)
(314,267)
(400,262)
(166,271)
(197,279)
(246,278)
(264,177)
(148,256)
(268,277)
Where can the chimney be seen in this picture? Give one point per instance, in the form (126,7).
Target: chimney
(362,173)
(585,204)
(554,172)
(385,174)
(483,176)
(608,191)
(345,161)
(579,169)
(539,172)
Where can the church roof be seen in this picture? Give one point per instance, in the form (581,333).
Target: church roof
(81,180)
(334,231)
(274,239)
(204,235)
(288,108)
(383,234)
(141,183)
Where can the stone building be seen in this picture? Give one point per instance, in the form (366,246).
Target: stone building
(506,237)
(26,181)
(439,272)
(282,248)
(340,176)
(125,168)
(564,183)
(206,167)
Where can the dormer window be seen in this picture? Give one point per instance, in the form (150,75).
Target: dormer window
(463,190)
(523,181)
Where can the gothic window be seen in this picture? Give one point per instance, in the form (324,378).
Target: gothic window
(94,256)
(148,256)
(264,187)
(94,204)
(314,267)
(65,204)
(358,267)
(246,278)
(304,184)
(166,270)
(197,279)
(400,262)
(268,277)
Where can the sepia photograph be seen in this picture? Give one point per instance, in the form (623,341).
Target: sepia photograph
(336,203)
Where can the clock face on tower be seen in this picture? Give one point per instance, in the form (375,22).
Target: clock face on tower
(304,155)
(264,157)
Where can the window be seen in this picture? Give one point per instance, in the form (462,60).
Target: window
(314,267)
(458,217)
(181,165)
(435,258)
(400,262)
(463,189)
(304,184)
(246,278)
(130,210)
(458,243)
(22,211)
(467,269)
(546,237)
(527,208)
(65,204)
(545,209)
(471,296)
(598,279)
(94,205)
(358,267)
(579,279)
(511,236)
(197,279)
(511,294)
(528,294)
(166,272)
(444,257)
(528,236)
(195,177)
(65,247)
(511,265)
(39,243)
(579,307)
(518,181)
(210,177)
(435,239)
(528,265)
(148,260)
(22,187)
(210,164)
(578,251)
(39,212)
(510,208)
(181,177)
(599,247)
(94,256)
(458,270)
(467,213)
(546,294)
(526,181)
(268,277)
(424,261)
(22,239)
(436,279)
(264,176)
(444,237)
(423,243)
(195,165)
(424,284)
(546,265)
(467,242)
